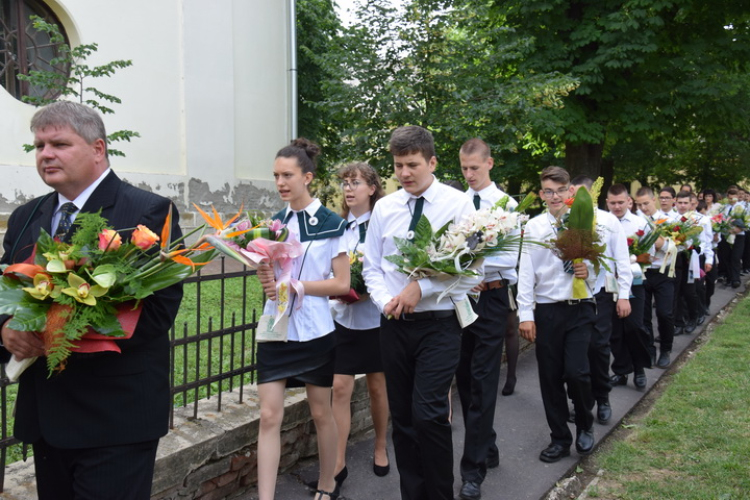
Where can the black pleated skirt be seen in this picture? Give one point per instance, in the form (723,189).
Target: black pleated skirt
(299,363)
(357,351)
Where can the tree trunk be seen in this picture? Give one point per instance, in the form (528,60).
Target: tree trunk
(584,159)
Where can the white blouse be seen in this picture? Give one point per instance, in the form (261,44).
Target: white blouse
(362,315)
(312,319)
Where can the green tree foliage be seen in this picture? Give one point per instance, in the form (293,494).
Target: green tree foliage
(76,84)
(432,65)
(660,83)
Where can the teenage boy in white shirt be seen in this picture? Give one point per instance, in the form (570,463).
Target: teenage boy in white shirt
(478,374)
(560,325)
(420,338)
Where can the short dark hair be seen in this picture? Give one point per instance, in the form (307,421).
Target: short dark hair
(555,174)
(475,146)
(304,150)
(617,190)
(410,140)
(582,180)
(668,189)
(644,191)
(683,194)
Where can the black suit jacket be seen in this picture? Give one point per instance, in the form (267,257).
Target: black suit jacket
(100,399)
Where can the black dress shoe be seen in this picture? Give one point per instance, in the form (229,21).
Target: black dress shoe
(639,379)
(701,319)
(470,491)
(736,284)
(664,359)
(618,379)
(554,453)
(603,412)
(585,441)
(493,459)
(691,326)
(510,386)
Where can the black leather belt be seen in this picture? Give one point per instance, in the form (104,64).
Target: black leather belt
(496,284)
(426,315)
(575,302)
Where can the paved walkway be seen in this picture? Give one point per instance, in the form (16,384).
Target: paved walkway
(522,433)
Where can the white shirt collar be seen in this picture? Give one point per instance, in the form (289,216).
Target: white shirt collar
(82,198)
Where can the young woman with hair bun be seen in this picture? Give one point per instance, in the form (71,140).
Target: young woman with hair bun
(306,359)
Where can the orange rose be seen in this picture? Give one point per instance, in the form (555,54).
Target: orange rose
(109,240)
(143,237)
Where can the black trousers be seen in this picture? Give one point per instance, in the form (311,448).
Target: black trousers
(419,360)
(599,347)
(686,304)
(711,278)
(746,252)
(630,340)
(563,333)
(730,257)
(114,472)
(659,288)
(478,377)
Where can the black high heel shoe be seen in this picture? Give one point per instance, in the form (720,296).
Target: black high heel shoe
(332,495)
(339,478)
(381,470)
(510,386)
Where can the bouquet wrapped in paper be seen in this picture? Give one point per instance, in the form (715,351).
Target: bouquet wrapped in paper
(456,250)
(639,247)
(79,296)
(358,288)
(577,239)
(254,241)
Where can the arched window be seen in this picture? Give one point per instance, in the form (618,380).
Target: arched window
(23,48)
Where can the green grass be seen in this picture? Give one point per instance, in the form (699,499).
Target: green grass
(694,444)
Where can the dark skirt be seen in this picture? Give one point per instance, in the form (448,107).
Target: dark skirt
(357,351)
(299,363)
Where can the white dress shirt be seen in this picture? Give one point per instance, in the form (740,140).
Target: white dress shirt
(502,265)
(391,218)
(362,315)
(631,224)
(313,319)
(541,277)
(611,234)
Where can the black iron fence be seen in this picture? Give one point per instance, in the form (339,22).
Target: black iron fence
(213,348)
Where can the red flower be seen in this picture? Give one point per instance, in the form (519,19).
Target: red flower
(676,228)
(683,219)
(640,233)
(630,242)
(570,201)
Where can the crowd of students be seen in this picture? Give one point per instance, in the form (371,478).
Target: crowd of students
(411,345)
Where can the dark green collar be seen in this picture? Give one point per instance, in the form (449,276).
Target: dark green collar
(323,225)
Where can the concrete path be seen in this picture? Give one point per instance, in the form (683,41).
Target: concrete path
(522,433)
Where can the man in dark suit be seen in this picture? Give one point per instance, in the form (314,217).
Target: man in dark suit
(95,426)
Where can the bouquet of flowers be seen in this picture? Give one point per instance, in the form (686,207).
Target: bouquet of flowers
(685,232)
(457,250)
(721,225)
(577,238)
(639,247)
(254,241)
(79,296)
(358,288)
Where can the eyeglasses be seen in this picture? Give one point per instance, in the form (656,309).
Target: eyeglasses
(665,198)
(549,193)
(350,185)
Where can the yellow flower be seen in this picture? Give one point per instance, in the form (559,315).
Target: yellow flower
(82,291)
(43,287)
